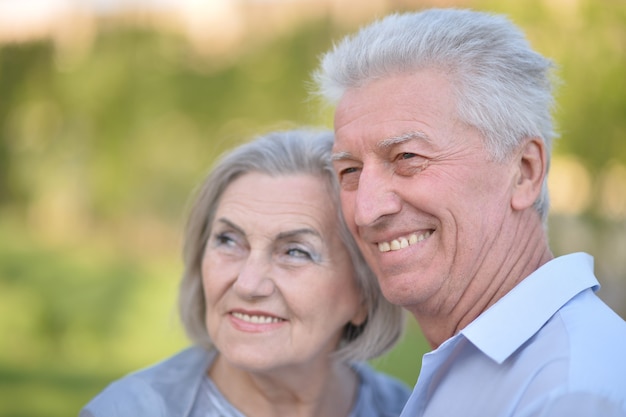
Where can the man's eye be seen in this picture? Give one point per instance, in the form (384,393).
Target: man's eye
(348,171)
(408,163)
(349,178)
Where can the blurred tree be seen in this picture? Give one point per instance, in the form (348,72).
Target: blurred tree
(20,66)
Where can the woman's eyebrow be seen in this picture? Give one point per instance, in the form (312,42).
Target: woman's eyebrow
(282,235)
(231,225)
(315,254)
(297,232)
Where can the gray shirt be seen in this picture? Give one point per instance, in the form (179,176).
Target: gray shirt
(179,387)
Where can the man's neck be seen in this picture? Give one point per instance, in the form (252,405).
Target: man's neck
(525,250)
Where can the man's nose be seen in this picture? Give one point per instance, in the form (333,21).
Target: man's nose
(253,280)
(375,195)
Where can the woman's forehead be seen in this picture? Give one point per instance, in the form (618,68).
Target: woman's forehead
(279,202)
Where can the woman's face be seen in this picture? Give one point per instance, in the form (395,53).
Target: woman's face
(278,281)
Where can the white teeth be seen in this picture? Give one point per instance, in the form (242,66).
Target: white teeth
(402,242)
(256,319)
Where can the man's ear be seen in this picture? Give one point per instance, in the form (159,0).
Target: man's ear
(532,165)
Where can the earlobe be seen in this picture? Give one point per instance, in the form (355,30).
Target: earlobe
(531,171)
(360,316)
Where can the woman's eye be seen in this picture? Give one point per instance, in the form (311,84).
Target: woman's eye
(299,253)
(223,239)
(406,155)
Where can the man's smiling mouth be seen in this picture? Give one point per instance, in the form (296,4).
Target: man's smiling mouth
(403,242)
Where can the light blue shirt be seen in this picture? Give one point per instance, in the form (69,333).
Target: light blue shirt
(550,347)
(179,387)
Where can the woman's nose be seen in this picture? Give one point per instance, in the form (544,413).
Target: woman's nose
(253,280)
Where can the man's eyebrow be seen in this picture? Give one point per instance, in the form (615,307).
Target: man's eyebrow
(338,156)
(387,143)
(396,140)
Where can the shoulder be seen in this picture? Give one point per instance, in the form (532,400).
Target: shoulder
(579,352)
(162,389)
(129,396)
(597,341)
(575,404)
(380,395)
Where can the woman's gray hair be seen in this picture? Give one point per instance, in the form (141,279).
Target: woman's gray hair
(503,87)
(291,152)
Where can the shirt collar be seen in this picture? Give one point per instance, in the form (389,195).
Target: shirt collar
(179,378)
(516,317)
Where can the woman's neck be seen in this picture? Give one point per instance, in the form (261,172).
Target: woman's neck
(303,392)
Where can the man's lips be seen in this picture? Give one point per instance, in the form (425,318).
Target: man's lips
(403,241)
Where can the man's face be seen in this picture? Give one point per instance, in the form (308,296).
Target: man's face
(418,189)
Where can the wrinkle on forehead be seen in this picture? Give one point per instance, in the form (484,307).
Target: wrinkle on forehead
(264,204)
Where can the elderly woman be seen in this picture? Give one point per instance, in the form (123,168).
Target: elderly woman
(276,297)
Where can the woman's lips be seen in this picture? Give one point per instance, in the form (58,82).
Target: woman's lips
(256,318)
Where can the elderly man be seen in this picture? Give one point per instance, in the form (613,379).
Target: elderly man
(443,133)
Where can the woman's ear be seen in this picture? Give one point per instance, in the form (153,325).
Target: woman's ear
(532,165)
(360,316)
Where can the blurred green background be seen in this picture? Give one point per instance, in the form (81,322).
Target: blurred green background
(109,120)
